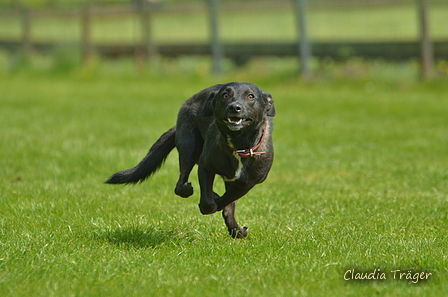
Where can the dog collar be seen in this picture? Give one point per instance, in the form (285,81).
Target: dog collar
(251,151)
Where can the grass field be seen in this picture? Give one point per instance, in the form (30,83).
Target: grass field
(364,23)
(360,181)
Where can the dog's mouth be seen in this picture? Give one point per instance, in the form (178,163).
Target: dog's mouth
(236,123)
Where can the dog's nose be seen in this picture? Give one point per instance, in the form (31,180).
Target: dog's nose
(236,107)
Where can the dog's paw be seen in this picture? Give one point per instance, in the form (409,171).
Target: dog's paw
(184,191)
(208,208)
(239,232)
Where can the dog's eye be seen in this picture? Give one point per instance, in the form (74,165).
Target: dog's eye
(251,97)
(225,95)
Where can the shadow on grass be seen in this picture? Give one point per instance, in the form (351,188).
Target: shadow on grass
(135,237)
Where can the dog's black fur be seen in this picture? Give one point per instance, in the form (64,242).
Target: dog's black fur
(211,126)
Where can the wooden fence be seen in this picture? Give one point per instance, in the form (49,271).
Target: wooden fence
(146,49)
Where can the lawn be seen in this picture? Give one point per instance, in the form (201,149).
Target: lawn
(360,181)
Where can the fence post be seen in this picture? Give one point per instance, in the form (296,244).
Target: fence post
(304,42)
(26,37)
(148,50)
(87,47)
(427,50)
(217,52)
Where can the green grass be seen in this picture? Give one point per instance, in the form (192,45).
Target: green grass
(360,180)
(377,23)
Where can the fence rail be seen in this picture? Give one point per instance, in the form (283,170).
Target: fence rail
(241,52)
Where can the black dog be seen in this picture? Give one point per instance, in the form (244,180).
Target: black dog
(226,130)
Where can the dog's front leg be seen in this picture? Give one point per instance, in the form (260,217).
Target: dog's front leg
(207,203)
(228,213)
(234,191)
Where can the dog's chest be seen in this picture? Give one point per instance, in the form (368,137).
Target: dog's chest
(238,169)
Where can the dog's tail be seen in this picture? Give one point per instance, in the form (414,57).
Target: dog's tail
(153,160)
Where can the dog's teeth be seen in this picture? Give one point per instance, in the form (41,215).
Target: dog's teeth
(235,121)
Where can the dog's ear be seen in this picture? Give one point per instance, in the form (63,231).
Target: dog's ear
(270,108)
(209,105)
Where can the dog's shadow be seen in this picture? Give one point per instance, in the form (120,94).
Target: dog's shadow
(135,237)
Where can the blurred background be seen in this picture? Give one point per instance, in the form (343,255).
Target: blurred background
(230,33)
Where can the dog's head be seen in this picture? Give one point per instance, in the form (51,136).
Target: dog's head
(239,105)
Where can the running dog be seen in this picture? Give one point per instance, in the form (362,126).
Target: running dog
(227,130)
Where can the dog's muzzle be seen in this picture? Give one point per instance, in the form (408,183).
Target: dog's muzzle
(235,119)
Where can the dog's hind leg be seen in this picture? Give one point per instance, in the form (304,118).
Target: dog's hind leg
(189,145)
(228,213)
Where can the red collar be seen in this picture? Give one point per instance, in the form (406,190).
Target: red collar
(250,152)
